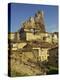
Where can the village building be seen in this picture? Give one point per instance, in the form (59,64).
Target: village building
(13,36)
(53,57)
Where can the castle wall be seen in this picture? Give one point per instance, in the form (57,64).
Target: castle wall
(11,36)
(14,36)
(31,36)
(40,36)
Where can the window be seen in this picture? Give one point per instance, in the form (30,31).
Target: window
(44,38)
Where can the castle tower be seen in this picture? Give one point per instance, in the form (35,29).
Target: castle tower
(32,27)
(39,21)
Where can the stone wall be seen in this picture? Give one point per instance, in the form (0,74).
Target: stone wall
(53,57)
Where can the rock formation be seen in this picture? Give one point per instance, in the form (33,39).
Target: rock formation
(36,22)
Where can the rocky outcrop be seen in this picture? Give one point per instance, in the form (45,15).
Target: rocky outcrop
(36,22)
(23,66)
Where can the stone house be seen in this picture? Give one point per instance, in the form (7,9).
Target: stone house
(13,36)
(53,57)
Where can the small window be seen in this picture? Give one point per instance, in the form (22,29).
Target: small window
(44,38)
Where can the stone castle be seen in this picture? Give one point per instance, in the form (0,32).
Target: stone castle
(34,29)
(32,41)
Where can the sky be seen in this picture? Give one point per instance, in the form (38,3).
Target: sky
(21,12)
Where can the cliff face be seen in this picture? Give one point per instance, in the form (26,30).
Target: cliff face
(36,22)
